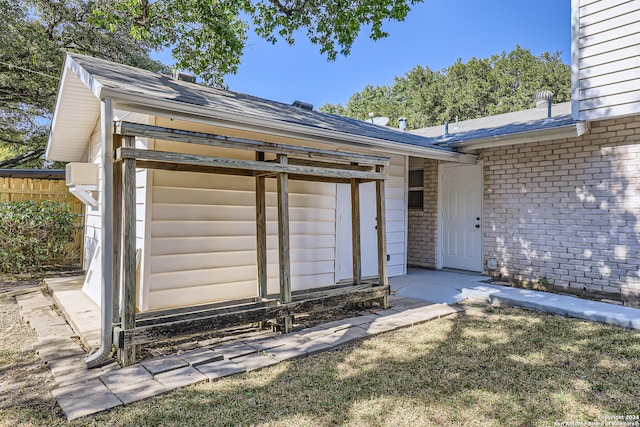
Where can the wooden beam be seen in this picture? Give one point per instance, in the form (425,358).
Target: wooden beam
(237,164)
(168,134)
(331,165)
(261,231)
(128,354)
(241,316)
(284,256)
(116,231)
(356,252)
(383,276)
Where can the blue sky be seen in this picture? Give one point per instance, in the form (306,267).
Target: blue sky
(435,34)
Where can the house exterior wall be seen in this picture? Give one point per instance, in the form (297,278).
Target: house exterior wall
(567,212)
(92,261)
(203,245)
(422,224)
(606,70)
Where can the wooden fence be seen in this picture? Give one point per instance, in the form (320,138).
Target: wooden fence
(24,185)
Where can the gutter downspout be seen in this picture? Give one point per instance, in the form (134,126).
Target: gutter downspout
(101,357)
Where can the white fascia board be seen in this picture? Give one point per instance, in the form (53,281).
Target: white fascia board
(85,77)
(178,110)
(70,70)
(561,132)
(56,114)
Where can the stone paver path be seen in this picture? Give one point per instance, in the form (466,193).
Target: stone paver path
(83,391)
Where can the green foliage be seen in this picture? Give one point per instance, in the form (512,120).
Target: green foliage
(33,235)
(35,35)
(478,88)
(208,36)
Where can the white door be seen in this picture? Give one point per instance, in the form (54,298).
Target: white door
(462,217)
(368,233)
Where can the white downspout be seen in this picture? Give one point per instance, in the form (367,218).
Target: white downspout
(101,356)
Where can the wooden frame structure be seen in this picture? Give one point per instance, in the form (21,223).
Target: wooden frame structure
(290,163)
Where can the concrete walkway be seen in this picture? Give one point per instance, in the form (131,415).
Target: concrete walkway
(449,287)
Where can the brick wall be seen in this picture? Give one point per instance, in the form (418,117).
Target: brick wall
(422,233)
(568,211)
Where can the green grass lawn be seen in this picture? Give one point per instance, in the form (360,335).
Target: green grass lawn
(492,367)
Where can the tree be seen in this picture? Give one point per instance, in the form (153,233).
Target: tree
(35,35)
(208,36)
(477,88)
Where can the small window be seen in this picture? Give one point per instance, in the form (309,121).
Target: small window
(416,189)
(416,178)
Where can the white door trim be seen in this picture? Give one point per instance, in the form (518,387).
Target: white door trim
(440,246)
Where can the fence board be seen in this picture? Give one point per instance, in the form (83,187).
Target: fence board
(16,189)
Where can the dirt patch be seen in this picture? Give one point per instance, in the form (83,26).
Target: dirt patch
(24,379)
(243,333)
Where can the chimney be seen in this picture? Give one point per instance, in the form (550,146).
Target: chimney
(402,123)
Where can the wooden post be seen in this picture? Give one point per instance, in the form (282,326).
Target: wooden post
(117,231)
(383,279)
(261,232)
(283,240)
(355,232)
(128,353)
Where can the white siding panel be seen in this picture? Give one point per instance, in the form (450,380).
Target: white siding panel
(610,45)
(605,25)
(194,295)
(617,55)
(621,76)
(606,48)
(608,90)
(605,11)
(203,237)
(606,69)
(591,7)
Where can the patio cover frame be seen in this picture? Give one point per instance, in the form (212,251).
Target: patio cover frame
(290,163)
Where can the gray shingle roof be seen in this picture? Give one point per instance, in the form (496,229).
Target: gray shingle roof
(145,83)
(509,124)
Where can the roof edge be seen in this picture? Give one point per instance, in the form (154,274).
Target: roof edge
(150,105)
(566,131)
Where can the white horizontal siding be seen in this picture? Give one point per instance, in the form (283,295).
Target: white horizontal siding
(396,208)
(203,237)
(606,47)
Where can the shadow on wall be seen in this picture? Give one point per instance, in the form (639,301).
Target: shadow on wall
(563,215)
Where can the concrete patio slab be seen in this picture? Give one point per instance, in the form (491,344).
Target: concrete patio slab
(32,300)
(200,356)
(264,343)
(220,369)
(255,361)
(140,391)
(161,364)
(231,351)
(286,353)
(126,377)
(79,400)
(181,377)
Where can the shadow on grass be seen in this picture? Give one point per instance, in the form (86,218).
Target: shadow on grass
(493,367)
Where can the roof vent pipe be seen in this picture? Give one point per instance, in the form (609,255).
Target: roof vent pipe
(303,105)
(446,128)
(542,97)
(402,122)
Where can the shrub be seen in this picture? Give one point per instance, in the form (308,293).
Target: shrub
(33,235)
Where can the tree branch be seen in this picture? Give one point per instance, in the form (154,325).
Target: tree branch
(11,163)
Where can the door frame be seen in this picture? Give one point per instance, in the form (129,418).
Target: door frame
(440,246)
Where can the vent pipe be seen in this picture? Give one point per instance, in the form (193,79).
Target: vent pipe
(303,105)
(402,123)
(542,97)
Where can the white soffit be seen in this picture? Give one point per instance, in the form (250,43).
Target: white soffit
(75,117)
